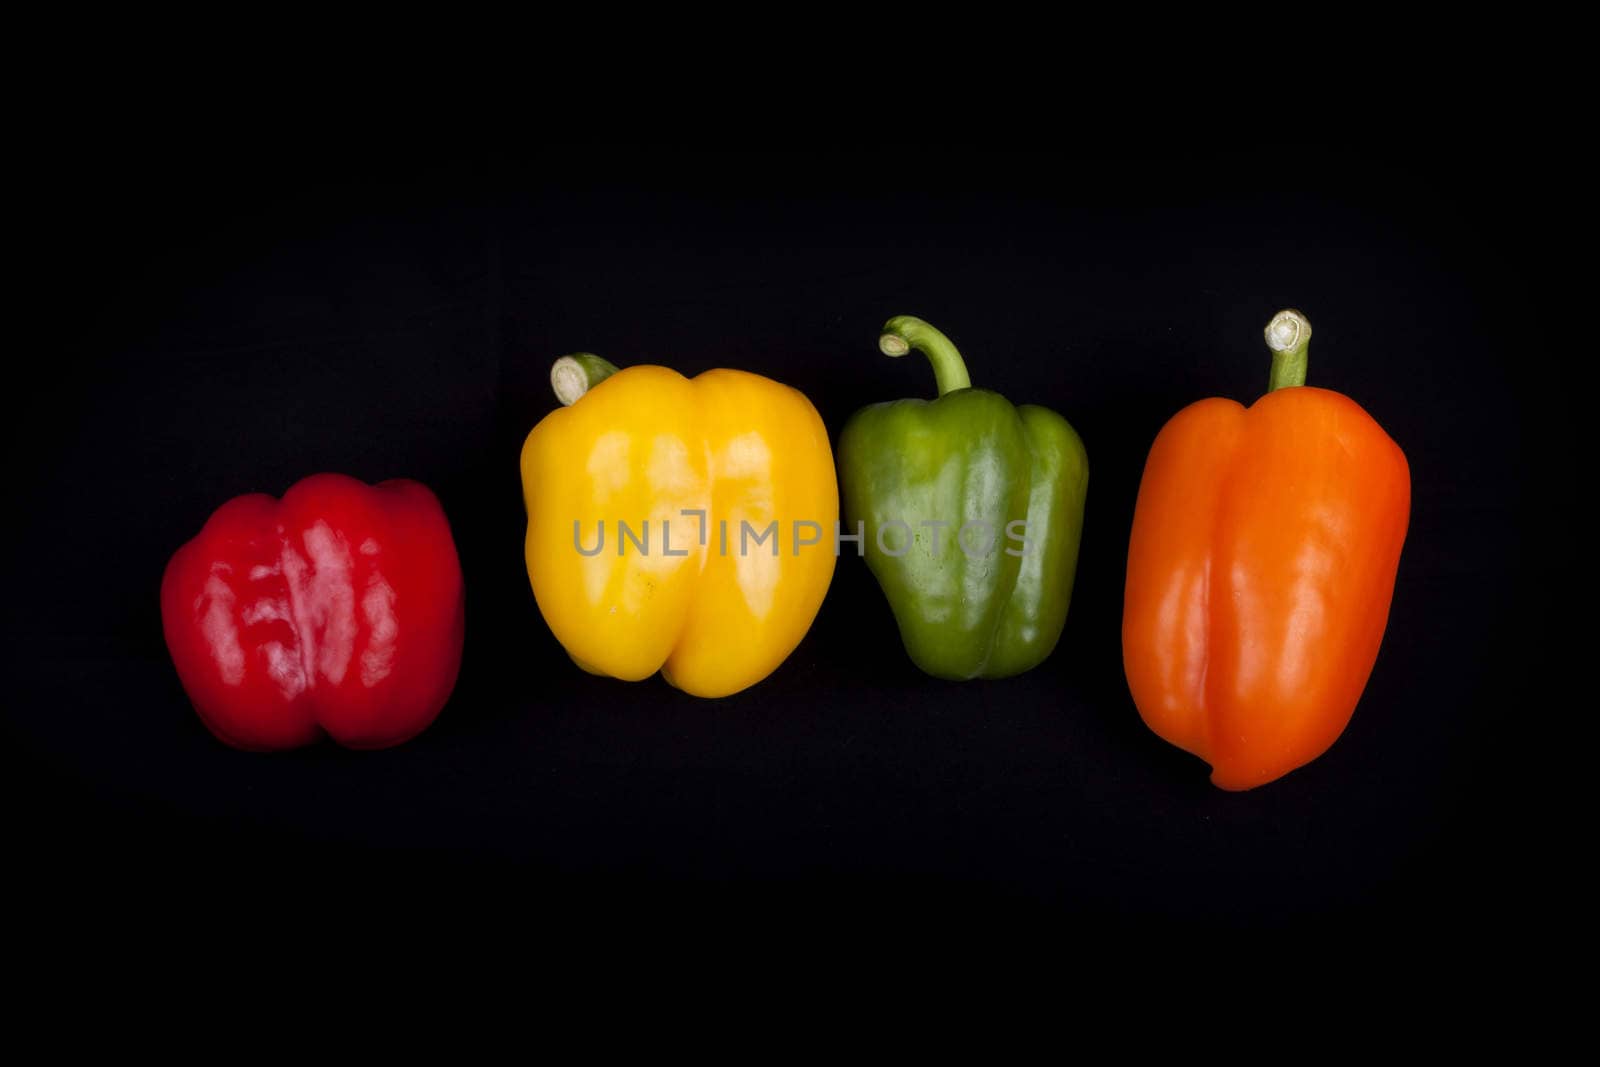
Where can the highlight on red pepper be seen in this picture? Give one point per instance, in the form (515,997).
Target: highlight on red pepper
(337,610)
(1260,570)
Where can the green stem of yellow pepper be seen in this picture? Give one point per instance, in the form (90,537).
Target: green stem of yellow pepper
(574,375)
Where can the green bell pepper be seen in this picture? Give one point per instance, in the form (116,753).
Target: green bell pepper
(925,481)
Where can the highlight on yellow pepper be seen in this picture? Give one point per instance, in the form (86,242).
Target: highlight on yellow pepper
(686,526)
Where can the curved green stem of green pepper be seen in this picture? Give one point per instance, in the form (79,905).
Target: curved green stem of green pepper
(904,332)
(574,375)
(1288,336)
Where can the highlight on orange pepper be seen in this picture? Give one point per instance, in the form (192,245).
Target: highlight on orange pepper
(687,526)
(1260,570)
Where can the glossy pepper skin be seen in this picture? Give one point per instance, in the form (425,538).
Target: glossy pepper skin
(684,463)
(336,610)
(1260,570)
(967,457)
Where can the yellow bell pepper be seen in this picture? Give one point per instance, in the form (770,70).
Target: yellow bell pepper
(687,526)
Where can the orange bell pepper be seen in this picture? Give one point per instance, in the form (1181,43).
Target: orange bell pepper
(1260,570)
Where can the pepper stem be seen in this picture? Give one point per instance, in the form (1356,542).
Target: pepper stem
(572,376)
(1288,335)
(904,332)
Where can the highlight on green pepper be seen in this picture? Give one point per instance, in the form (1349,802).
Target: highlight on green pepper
(970,512)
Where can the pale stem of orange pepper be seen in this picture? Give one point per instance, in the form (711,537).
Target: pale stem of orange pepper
(1288,335)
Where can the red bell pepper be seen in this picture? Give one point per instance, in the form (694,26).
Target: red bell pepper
(337,610)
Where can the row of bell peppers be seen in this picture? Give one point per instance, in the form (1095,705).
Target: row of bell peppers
(1261,563)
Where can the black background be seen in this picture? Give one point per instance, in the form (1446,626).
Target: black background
(230,321)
